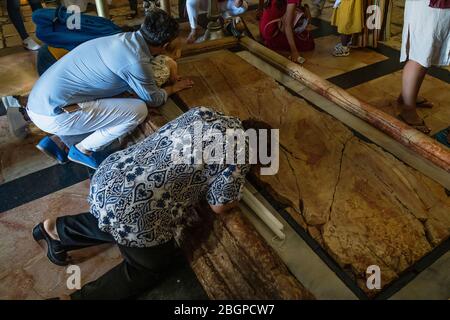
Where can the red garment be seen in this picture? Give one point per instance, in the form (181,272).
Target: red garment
(440,4)
(280,42)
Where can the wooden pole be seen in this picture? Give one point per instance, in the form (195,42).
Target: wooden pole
(398,130)
(196,48)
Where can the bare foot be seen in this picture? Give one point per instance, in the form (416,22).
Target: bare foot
(193,35)
(50,228)
(421,102)
(412,118)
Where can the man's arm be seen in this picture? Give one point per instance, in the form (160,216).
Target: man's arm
(140,79)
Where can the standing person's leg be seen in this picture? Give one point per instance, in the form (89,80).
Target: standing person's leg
(413,75)
(192,8)
(140,270)
(345,39)
(13,8)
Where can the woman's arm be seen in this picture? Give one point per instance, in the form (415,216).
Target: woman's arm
(224,208)
(289,32)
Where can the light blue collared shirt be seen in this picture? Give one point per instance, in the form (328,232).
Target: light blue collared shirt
(96,69)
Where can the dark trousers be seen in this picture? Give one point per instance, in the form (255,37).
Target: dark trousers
(140,269)
(44,59)
(13,8)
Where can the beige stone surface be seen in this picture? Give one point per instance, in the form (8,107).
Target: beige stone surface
(13,41)
(384,213)
(365,205)
(18,72)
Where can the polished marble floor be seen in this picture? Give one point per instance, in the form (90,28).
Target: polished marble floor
(321,62)
(383,93)
(23,264)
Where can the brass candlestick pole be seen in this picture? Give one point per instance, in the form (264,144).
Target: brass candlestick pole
(214,29)
(102,8)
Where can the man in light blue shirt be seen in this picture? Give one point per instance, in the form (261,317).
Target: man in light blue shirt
(73,97)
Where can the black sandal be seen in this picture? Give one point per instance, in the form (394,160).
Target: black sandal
(54,252)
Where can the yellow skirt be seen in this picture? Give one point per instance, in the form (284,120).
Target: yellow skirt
(349,17)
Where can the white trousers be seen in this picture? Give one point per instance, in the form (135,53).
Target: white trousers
(108,119)
(193,7)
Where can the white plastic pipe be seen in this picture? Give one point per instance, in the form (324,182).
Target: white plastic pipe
(263,213)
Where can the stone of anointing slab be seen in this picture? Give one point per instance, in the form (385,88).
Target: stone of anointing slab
(230,259)
(364,206)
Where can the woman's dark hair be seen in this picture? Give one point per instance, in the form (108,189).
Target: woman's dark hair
(280,3)
(159,28)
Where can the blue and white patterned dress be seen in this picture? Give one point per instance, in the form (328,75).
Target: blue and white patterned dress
(140,195)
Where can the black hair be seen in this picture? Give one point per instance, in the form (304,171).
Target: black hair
(159,27)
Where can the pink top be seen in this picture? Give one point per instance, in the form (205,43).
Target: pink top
(270,13)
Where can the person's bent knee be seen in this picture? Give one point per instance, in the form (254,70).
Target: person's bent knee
(140,112)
